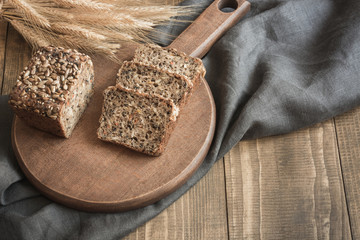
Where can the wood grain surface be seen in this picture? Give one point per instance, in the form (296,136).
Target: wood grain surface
(86,173)
(289,187)
(348,133)
(216,202)
(15,60)
(3,34)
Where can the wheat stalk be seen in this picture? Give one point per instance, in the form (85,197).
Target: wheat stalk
(83,3)
(94,26)
(114,21)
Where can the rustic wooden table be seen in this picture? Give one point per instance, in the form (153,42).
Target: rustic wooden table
(302,185)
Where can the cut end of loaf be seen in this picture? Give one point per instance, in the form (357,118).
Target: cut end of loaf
(135,120)
(53,91)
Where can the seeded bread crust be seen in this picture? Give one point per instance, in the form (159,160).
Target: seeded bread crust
(171,60)
(48,84)
(169,127)
(133,74)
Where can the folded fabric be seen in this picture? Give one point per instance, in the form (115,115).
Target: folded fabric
(286,65)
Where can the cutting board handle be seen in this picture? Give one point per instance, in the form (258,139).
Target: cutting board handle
(197,39)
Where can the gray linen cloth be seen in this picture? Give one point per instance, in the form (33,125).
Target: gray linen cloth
(286,65)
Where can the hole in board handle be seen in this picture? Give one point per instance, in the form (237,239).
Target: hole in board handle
(227,6)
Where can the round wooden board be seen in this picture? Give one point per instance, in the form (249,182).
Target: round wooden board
(85,173)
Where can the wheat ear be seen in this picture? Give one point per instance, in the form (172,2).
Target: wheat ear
(36,40)
(76,30)
(105,49)
(29,13)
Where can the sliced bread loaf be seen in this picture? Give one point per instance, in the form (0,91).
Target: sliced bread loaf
(136,120)
(151,80)
(54,89)
(171,60)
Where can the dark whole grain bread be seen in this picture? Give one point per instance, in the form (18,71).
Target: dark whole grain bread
(151,80)
(140,111)
(136,120)
(53,91)
(171,60)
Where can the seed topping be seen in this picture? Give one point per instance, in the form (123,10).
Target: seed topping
(47,79)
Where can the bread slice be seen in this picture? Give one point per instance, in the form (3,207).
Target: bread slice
(151,80)
(54,89)
(136,120)
(171,60)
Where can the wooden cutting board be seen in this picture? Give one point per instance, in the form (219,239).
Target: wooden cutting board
(85,173)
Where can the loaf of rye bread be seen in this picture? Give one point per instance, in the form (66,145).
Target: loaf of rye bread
(136,120)
(171,60)
(132,114)
(54,89)
(151,80)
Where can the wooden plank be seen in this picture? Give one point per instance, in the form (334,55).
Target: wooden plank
(3,34)
(287,187)
(17,56)
(348,133)
(198,214)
